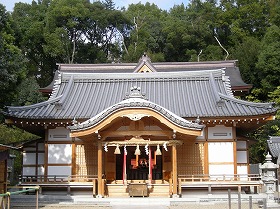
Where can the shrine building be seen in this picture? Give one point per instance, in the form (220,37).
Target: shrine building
(163,126)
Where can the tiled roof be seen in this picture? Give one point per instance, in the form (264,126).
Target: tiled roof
(229,66)
(274,146)
(137,103)
(188,94)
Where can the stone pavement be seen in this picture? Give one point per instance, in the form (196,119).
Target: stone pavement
(190,201)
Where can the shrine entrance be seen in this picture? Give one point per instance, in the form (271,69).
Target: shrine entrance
(131,137)
(138,166)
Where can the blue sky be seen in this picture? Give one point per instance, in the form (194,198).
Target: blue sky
(163,4)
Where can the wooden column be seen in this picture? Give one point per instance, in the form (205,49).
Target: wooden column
(174,170)
(206,154)
(74,164)
(99,171)
(46,155)
(234,149)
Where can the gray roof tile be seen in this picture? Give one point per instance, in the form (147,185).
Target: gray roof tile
(186,94)
(274,146)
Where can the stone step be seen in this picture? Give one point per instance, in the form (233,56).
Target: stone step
(119,190)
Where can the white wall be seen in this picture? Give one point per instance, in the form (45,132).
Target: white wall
(59,170)
(59,134)
(221,159)
(243,169)
(60,153)
(217,171)
(220,152)
(29,158)
(41,170)
(28,171)
(220,132)
(241,156)
(41,158)
(241,145)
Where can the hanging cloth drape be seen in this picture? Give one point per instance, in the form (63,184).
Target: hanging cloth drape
(150,165)
(124,164)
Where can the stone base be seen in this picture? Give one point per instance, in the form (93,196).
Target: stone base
(273,206)
(175,196)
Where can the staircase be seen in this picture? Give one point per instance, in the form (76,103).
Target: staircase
(117,189)
(158,188)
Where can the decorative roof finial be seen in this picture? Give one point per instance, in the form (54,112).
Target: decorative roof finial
(145,58)
(135,92)
(197,120)
(74,121)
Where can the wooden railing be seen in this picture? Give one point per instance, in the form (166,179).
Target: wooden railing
(219,177)
(53,181)
(222,180)
(56,179)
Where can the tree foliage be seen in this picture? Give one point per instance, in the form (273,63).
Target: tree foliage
(12,70)
(36,36)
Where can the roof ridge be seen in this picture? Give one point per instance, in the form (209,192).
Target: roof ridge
(49,101)
(215,89)
(66,92)
(156,75)
(260,104)
(56,85)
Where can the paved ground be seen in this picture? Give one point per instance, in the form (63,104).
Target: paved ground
(186,206)
(188,201)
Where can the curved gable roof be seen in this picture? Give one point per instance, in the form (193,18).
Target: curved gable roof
(140,106)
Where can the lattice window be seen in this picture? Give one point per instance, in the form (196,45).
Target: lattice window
(190,159)
(86,159)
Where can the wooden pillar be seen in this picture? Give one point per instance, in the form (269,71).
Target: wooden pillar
(174,170)
(46,155)
(99,171)
(74,164)
(234,149)
(206,154)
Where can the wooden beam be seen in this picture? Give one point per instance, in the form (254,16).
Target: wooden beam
(106,134)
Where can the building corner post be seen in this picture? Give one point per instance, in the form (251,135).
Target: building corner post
(174,171)
(99,170)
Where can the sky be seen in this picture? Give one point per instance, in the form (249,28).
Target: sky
(163,4)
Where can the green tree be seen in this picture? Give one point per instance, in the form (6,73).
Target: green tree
(146,34)
(193,33)
(29,25)
(12,63)
(27,93)
(247,52)
(269,61)
(64,28)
